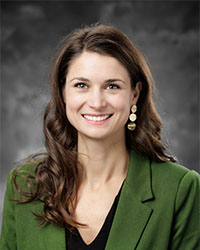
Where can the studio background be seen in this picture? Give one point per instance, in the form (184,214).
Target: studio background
(166,32)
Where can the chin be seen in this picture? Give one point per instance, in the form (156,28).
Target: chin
(96,137)
(101,136)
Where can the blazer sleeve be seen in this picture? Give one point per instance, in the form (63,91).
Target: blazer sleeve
(185,233)
(8,233)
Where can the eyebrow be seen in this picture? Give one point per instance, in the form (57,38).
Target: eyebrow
(79,79)
(114,80)
(87,80)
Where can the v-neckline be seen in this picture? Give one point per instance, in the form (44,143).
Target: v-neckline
(109,217)
(103,226)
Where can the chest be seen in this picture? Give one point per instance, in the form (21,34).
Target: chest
(93,211)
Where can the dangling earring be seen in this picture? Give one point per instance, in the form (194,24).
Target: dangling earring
(131,126)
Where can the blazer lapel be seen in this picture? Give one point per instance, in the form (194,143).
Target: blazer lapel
(132,215)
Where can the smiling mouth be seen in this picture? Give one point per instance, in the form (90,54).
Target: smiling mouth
(97,118)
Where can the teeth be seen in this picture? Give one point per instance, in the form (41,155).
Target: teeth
(96,118)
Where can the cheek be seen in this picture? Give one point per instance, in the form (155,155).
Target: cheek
(73,103)
(123,103)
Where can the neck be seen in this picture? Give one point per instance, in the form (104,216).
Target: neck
(103,161)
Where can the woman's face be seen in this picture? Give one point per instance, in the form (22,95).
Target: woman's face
(98,96)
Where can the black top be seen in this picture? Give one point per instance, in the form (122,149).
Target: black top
(74,240)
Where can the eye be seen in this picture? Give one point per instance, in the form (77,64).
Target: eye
(81,85)
(112,86)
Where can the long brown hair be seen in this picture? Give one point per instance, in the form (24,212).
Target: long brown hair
(57,177)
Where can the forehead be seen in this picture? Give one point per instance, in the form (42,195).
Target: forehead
(95,64)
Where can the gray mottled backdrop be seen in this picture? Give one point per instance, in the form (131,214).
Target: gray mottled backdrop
(167,33)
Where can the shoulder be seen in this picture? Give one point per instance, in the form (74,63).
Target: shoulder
(25,168)
(28,165)
(171,170)
(22,177)
(172,177)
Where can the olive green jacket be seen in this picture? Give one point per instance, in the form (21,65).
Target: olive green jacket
(158,209)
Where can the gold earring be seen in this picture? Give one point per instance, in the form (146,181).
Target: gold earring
(131,126)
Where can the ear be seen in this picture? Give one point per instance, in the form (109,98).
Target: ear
(136,92)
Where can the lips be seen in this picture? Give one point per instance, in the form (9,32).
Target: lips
(97,118)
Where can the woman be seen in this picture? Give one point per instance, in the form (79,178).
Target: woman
(106,181)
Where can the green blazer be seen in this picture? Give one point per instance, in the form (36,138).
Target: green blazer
(158,209)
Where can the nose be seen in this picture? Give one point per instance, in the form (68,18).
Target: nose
(96,99)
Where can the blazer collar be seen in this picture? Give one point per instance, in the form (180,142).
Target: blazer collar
(138,177)
(132,215)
